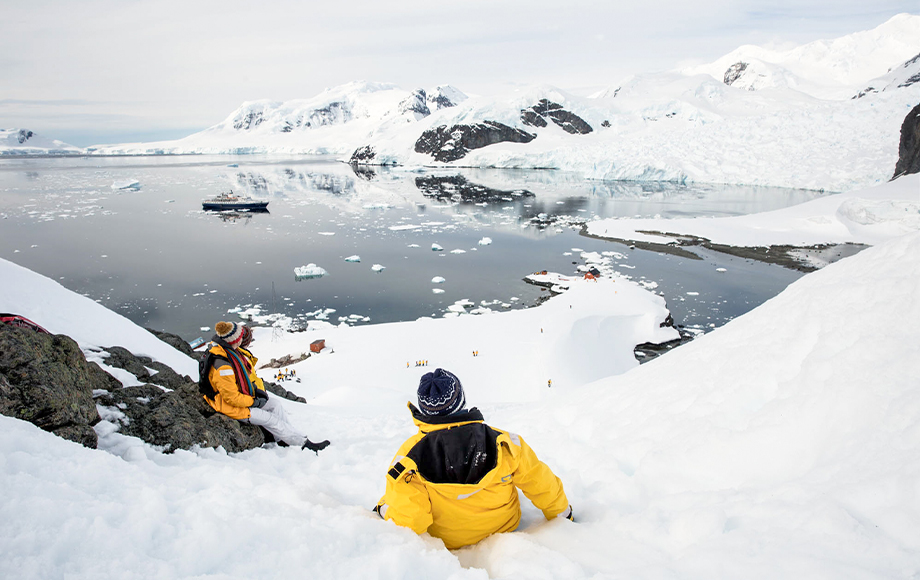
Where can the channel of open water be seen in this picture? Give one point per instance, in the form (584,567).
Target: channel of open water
(152,254)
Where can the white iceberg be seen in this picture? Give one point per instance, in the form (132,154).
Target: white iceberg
(309,272)
(485,241)
(438,280)
(354,258)
(378,268)
(458,251)
(436,248)
(437,291)
(127,184)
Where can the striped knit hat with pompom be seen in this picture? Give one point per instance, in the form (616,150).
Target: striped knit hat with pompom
(229,332)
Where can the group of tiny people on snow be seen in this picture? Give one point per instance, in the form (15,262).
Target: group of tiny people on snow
(286,374)
(456,479)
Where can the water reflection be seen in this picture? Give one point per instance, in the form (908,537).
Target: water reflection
(64,221)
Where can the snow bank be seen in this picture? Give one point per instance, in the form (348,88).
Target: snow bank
(868,216)
(92,325)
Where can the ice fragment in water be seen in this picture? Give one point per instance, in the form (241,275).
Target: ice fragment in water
(378,268)
(308,272)
(436,248)
(438,280)
(485,241)
(354,258)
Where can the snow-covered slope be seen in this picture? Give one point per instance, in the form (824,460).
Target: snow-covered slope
(756,116)
(827,69)
(25,142)
(335,121)
(782,445)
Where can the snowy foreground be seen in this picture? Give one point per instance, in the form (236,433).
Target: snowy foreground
(785,444)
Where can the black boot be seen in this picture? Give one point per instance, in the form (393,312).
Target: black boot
(315,447)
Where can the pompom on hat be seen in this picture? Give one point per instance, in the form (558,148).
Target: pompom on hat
(229,332)
(440,393)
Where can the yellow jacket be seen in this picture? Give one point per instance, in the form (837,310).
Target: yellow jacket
(229,400)
(457,479)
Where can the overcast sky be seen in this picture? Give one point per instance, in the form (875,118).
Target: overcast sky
(94,71)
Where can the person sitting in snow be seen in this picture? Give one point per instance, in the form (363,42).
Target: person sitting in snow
(457,478)
(241,394)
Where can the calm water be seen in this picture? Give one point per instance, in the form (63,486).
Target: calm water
(154,256)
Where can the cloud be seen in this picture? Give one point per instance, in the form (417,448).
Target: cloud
(191,63)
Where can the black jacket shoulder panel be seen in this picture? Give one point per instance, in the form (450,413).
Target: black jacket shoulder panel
(462,454)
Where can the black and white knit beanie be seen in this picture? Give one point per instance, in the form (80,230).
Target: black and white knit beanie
(440,393)
(229,332)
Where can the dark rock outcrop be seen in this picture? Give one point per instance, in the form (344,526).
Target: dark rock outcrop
(24,135)
(178,419)
(45,379)
(536,116)
(734,72)
(415,103)
(449,144)
(458,188)
(364,155)
(909,147)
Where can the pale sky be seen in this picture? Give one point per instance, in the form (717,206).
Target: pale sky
(97,71)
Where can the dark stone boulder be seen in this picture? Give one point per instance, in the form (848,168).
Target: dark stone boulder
(909,147)
(178,419)
(451,188)
(416,103)
(536,116)
(45,379)
(449,144)
(145,368)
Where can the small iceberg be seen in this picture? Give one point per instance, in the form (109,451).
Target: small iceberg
(436,248)
(127,184)
(458,251)
(355,258)
(485,241)
(438,280)
(437,291)
(233,165)
(378,268)
(309,272)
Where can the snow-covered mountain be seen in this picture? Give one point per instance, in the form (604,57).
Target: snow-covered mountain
(756,116)
(25,142)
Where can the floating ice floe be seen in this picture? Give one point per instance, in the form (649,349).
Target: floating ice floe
(354,258)
(378,268)
(438,280)
(377,206)
(458,251)
(412,245)
(233,165)
(436,248)
(485,241)
(309,272)
(326,233)
(437,291)
(721,270)
(127,184)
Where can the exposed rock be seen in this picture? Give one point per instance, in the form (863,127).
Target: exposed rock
(536,116)
(364,154)
(734,72)
(175,341)
(449,144)
(177,419)
(909,147)
(277,363)
(457,188)
(276,389)
(445,96)
(248,121)
(45,379)
(416,104)
(24,135)
(145,369)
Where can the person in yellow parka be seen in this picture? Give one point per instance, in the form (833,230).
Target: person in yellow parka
(457,478)
(240,393)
